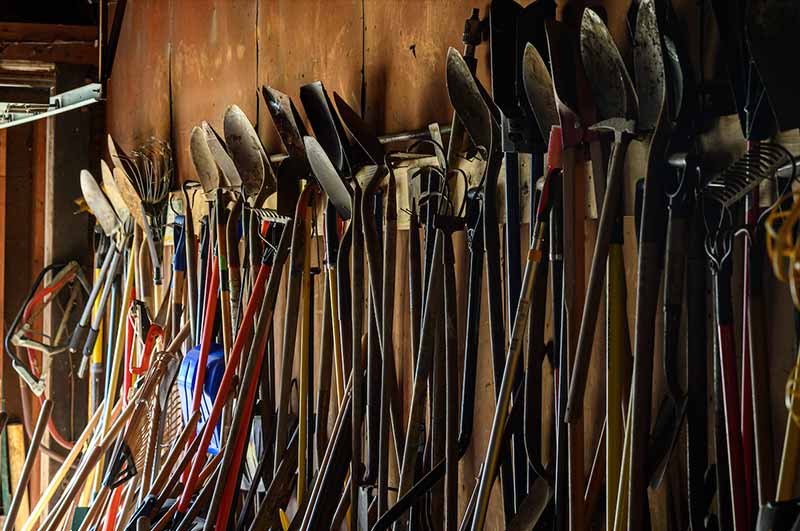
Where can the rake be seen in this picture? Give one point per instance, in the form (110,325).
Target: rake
(760,162)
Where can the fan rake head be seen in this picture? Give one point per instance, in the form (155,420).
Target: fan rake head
(760,162)
(149,169)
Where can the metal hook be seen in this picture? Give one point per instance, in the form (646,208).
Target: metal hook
(436,145)
(463,174)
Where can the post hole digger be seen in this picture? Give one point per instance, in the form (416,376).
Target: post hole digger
(476,115)
(535,257)
(373,150)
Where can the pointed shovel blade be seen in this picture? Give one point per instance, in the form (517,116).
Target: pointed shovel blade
(327,127)
(287,122)
(608,78)
(539,89)
(99,204)
(245,149)
(111,190)
(328,177)
(130,197)
(204,164)
(220,153)
(648,60)
(467,101)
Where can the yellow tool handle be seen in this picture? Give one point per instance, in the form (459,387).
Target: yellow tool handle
(338,364)
(615,348)
(305,352)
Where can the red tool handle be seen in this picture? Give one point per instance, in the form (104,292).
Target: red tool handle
(224,387)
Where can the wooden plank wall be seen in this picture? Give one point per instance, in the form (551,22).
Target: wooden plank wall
(23,197)
(183,61)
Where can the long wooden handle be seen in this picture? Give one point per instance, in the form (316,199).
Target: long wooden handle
(492,458)
(33,449)
(620,516)
(293,292)
(72,489)
(338,363)
(573,193)
(424,358)
(190,246)
(641,392)
(594,288)
(356,314)
(305,409)
(61,473)
(98,505)
(617,376)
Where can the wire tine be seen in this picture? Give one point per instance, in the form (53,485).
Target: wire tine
(268,214)
(740,178)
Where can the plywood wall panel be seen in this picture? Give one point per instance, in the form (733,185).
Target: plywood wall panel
(213,66)
(406,47)
(138,91)
(301,41)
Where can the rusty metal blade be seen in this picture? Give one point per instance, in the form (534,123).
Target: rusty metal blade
(130,197)
(539,89)
(327,127)
(111,190)
(203,160)
(530,30)
(328,177)
(605,70)
(467,101)
(364,136)
(287,122)
(245,149)
(648,60)
(220,153)
(99,204)
(118,156)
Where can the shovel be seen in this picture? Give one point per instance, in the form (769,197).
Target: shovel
(616,105)
(651,87)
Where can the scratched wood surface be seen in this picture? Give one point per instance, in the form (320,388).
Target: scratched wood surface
(213,64)
(138,92)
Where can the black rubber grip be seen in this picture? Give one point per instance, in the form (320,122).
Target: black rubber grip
(77,338)
(91,339)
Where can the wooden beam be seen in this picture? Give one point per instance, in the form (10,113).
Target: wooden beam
(18,32)
(27,74)
(75,53)
(55,43)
